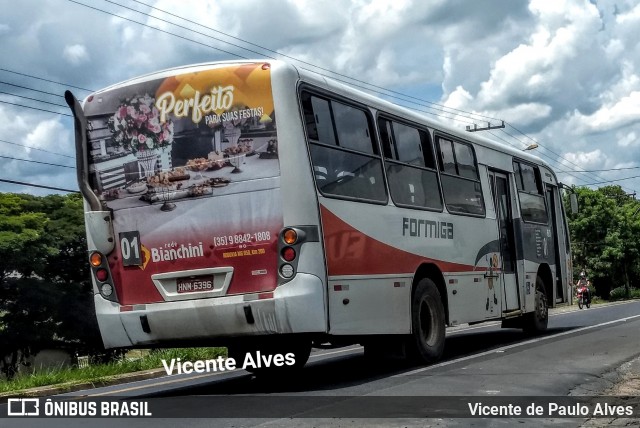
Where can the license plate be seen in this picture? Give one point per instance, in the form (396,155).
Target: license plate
(194,284)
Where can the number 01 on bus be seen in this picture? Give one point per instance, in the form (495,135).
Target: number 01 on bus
(259,206)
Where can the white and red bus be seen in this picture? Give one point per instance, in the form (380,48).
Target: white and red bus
(258,206)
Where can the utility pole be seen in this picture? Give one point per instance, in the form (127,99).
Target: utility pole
(489,126)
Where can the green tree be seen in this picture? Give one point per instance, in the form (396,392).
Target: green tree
(605,235)
(46,297)
(23,244)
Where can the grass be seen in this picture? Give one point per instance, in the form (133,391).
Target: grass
(100,373)
(620,294)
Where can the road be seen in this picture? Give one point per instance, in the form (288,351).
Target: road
(482,361)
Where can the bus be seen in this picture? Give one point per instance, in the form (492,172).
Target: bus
(263,207)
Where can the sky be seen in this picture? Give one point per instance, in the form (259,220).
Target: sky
(562,73)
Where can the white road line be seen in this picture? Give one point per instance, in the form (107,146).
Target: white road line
(515,345)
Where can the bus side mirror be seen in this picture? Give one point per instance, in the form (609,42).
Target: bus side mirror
(573,199)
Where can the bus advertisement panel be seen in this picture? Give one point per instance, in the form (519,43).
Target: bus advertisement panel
(188,165)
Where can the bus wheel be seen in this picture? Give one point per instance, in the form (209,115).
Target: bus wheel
(536,321)
(426,343)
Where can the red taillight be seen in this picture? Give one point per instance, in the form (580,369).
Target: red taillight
(288,254)
(102,274)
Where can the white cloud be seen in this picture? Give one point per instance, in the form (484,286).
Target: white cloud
(75,54)
(47,135)
(628,139)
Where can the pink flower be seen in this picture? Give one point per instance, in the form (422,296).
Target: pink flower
(141,118)
(122,112)
(142,138)
(145,109)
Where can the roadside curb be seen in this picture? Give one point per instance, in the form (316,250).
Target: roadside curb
(74,386)
(574,308)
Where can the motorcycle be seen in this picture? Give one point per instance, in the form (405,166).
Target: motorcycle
(583,296)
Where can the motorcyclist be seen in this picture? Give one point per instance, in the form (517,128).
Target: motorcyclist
(583,283)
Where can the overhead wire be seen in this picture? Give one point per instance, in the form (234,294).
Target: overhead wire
(440,107)
(35,161)
(36,148)
(42,78)
(42,186)
(34,108)
(32,89)
(553,152)
(32,99)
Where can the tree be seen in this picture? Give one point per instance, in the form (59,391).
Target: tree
(46,297)
(23,246)
(605,237)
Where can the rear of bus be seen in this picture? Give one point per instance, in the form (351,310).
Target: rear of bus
(181,172)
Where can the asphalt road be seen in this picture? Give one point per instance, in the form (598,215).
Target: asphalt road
(481,362)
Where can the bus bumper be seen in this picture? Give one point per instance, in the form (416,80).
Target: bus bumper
(296,307)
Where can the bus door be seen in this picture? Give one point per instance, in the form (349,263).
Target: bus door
(504,217)
(556,226)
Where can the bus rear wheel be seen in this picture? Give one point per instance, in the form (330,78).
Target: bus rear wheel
(426,343)
(536,321)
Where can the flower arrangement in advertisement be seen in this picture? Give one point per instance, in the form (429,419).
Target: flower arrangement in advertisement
(136,125)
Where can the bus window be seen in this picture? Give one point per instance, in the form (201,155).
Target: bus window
(447,161)
(465,161)
(352,127)
(530,193)
(413,181)
(322,129)
(460,180)
(343,152)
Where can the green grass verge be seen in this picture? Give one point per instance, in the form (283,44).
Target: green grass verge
(103,372)
(621,294)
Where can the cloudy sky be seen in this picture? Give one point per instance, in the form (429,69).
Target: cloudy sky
(563,73)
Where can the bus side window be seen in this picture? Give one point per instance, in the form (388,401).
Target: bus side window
(460,179)
(343,152)
(413,181)
(530,193)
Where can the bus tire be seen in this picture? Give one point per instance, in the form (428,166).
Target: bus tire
(426,343)
(537,321)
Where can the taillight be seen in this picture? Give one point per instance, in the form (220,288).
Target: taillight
(102,274)
(291,239)
(289,254)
